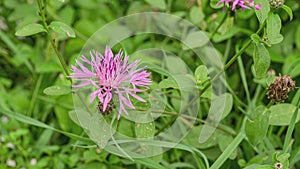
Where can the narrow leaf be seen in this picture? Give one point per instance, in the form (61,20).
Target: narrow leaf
(228,151)
(34,122)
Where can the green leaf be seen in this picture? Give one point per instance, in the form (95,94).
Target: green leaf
(194,40)
(202,78)
(261,59)
(160,4)
(201,74)
(99,130)
(291,66)
(262,14)
(228,151)
(224,141)
(81,118)
(281,114)
(57,90)
(73,117)
(61,114)
(62,29)
(30,29)
(48,67)
(226,35)
(288,10)
(273,28)
(192,138)
(222,106)
(168,83)
(175,65)
(297,37)
(283,158)
(295,155)
(256,128)
(264,167)
(196,15)
(145,130)
(157,69)
(99,165)
(181,165)
(149,162)
(255,38)
(44,138)
(213,4)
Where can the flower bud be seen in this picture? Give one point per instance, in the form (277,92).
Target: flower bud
(276,3)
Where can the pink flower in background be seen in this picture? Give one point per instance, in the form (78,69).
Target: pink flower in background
(111,75)
(244,4)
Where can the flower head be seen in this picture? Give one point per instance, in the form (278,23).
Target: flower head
(244,4)
(111,75)
(278,90)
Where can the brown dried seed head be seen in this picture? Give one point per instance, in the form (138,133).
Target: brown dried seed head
(278,91)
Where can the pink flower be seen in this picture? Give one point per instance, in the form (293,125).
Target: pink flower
(111,75)
(244,4)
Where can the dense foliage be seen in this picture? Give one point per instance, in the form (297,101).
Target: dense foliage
(253,48)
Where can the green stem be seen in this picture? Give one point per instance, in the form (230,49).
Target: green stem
(239,138)
(34,95)
(219,26)
(244,79)
(232,60)
(44,21)
(220,126)
(288,136)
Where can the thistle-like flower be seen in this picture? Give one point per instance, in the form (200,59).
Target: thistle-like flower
(244,4)
(111,75)
(278,91)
